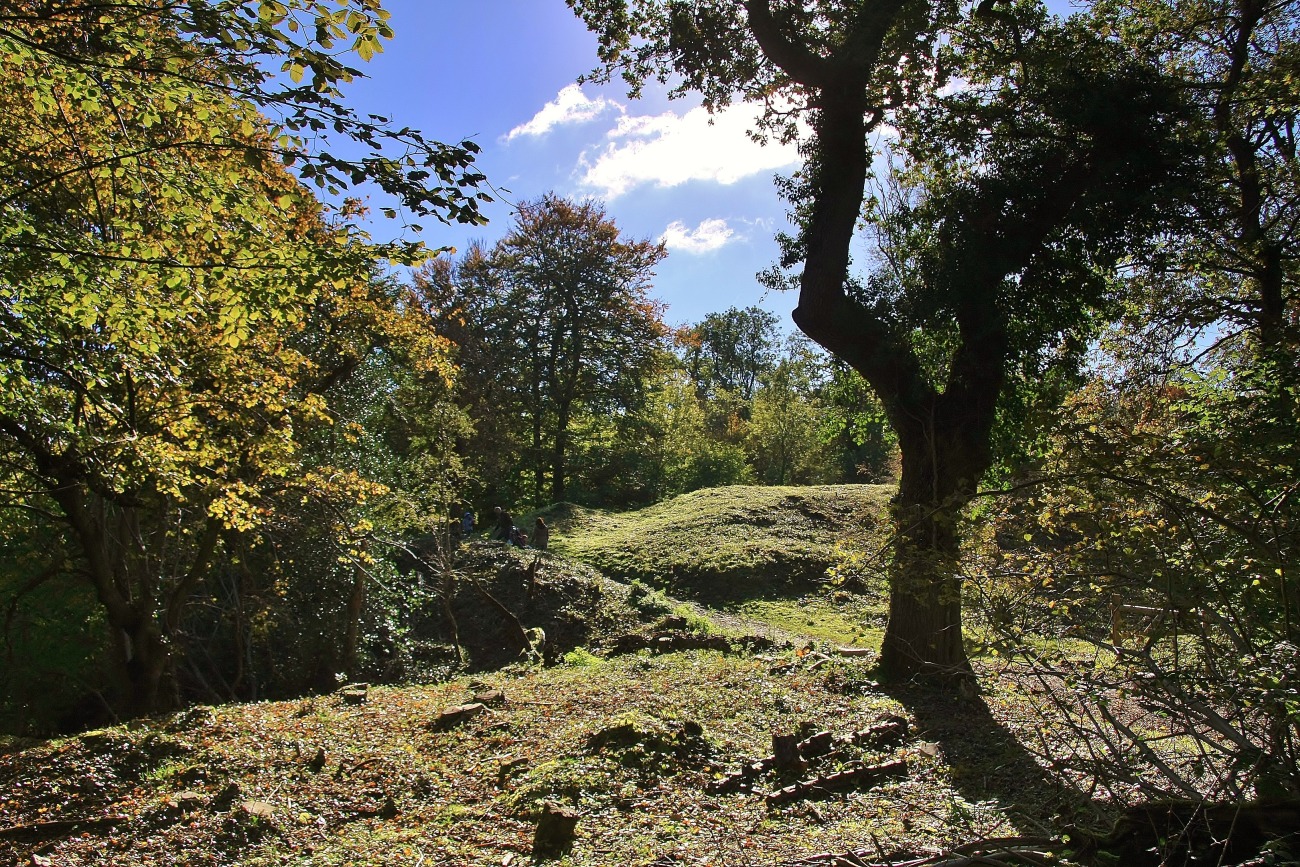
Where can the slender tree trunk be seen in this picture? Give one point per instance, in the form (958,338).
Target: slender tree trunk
(559,457)
(352,629)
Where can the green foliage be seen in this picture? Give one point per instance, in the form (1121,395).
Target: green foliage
(731,351)
(580,657)
(1161,520)
(816,617)
(648,600)
(787,424)
(856,429)
(149,60)
(176,310)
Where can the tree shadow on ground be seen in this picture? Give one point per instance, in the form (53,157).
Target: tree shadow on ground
(989,763)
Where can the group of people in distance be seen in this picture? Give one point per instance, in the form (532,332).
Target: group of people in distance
(504,530)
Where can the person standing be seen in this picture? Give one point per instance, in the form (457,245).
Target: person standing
(541,534)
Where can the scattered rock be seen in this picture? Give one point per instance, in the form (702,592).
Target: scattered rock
(185,802)
(817,745)
(887,734)
(490,697)
(256,811)
(450,717)
(556,828)
(671,642)
(785,749)
(852,778)
(506,768)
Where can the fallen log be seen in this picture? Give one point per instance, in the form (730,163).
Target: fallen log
(864,775)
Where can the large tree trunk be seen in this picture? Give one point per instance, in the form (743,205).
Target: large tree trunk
(147,669)
(923,637)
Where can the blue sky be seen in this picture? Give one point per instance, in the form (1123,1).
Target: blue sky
(502,72)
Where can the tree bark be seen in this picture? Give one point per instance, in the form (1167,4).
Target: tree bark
(923,635)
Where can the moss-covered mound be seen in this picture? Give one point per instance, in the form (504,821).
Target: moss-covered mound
(726,544)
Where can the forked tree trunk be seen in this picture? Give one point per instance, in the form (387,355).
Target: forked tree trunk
(142,610)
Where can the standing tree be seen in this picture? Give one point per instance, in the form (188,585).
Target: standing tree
(788,420)
(554,324)
(731,351)
(1023,176)
(1169,479)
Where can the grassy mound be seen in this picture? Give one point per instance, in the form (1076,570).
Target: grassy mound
(725,544)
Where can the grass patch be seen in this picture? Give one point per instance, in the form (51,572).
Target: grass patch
(819,619)
(725,544)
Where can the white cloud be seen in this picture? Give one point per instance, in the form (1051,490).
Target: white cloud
(666,150)
(570,106)
(709,235)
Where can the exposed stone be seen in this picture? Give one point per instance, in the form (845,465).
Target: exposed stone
(355,693)
(257,811)
(556,828)
(867,775)
(785,749)
(450,717)
(490,697)
(816,745)
(886,734)
(185,802)
(506,768)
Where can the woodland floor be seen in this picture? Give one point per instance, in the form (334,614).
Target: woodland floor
(377,783)
(640,737)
